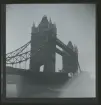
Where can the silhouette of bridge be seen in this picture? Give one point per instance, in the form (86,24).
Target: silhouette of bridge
(43,52)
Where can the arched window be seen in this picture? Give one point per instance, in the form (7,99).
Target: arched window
(42,68)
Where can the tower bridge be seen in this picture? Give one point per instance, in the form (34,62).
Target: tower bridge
(43,52)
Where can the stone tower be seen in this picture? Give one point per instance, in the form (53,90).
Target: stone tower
(43,35)
(70,63)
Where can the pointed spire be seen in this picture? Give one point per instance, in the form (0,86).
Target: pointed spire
(44,20)
(34,28)
(54,24)
(70,45)
(44,16)
(54,28)
(76,49)
(50,21)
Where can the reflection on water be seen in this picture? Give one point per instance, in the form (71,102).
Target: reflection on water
(11,90)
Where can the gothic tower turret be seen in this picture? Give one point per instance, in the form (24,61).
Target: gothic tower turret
(34,29)
(70,63)
(41,34)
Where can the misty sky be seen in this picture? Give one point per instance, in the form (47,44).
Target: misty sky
(75,22)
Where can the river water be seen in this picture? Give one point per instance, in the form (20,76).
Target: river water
(11,90)
(79,86)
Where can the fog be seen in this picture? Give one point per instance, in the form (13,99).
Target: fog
(80,86)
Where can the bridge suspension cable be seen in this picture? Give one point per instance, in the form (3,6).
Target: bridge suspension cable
(14,53)
(18,56)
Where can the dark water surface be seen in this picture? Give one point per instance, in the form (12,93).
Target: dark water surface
(78,86)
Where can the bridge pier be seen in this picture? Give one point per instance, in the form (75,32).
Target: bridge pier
(49,67)
(23,87)
(27,86)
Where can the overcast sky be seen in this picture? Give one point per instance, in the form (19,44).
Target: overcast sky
(75,22)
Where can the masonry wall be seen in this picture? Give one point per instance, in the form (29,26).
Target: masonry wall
(46,55)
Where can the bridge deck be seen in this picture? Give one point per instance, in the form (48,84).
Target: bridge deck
(78,86)
(39,77)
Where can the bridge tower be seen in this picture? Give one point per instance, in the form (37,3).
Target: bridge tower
(43,35)
(70,63)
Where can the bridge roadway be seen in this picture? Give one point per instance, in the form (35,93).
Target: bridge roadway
(78,86)
(52,76)
(28,82)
